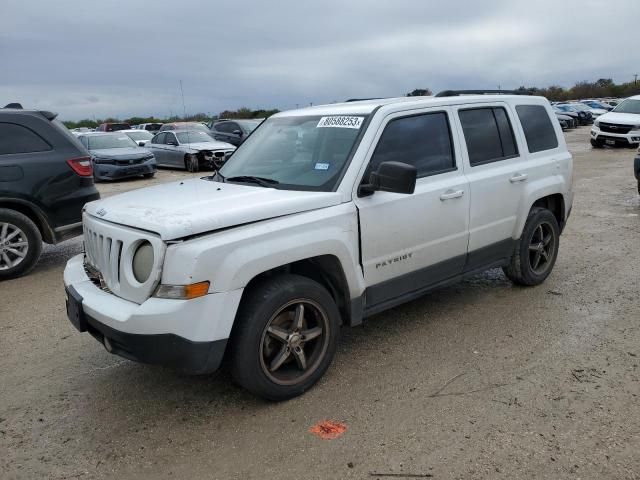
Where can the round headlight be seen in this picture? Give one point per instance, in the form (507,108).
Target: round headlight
(143,262)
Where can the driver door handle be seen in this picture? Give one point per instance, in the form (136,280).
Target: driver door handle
(450,194)
(518,177)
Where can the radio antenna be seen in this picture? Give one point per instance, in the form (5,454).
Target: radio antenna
(184,111)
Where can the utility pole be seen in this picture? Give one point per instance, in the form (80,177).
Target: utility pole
(635,79)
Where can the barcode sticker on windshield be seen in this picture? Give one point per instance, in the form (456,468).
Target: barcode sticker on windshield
(340,122)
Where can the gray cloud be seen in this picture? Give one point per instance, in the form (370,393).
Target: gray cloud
(111,58)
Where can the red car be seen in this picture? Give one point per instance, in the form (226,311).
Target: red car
(113,127)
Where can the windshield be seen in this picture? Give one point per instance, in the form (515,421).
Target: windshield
(300,153)
(193,136)
(628,106)
(140,135)
(109,141)
(566,108)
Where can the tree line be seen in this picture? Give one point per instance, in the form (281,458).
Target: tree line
(197,117)
(601,88)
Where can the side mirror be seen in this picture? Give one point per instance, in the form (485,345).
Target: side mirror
(237,132)
(395,177)
(142,143)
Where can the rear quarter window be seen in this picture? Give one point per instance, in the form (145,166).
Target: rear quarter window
(537,127)
(15,138)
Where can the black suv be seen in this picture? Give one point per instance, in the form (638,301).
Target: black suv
(46,177)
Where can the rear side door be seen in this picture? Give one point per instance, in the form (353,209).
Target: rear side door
(497,173)
(411,242)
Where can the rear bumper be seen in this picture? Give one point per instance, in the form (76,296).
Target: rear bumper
(67,231)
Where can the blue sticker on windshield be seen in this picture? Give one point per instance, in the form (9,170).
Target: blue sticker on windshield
(322,166)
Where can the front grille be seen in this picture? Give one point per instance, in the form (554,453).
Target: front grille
(96,277)
(135,161)
(103,255)
(615,128)
(109,250)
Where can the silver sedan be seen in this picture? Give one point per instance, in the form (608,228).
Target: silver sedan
(189,149)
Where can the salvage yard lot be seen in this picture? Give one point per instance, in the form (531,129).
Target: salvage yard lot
(479,380)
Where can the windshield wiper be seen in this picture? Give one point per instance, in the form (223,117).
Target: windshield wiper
(262,181)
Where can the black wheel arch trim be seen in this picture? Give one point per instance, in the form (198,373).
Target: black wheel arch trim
(37,216)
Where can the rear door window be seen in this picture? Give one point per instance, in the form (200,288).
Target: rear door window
(538,129)
(488,135)
(15,138)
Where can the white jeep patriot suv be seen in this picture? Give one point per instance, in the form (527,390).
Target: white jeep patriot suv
(322,217)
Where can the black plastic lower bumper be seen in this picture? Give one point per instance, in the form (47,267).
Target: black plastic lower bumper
(162,349)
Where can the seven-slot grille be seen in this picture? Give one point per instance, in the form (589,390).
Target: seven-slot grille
(615,128)
(103,255)
(109,252)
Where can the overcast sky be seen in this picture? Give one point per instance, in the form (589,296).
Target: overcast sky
(122,58)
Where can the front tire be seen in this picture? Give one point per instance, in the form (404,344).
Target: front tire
(191,163)
(20,244)
(536,251)
(596,143)
(285,337)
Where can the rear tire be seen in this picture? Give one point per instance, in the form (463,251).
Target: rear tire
(284,338)
(536,250)
(20,244)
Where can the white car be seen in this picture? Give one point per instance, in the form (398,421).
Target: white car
(621,126)
(322,217)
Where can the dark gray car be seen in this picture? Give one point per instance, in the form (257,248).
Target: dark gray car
(190,149)
(117,156)
(233,131)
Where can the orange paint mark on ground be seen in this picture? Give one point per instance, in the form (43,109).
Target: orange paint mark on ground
(328,429)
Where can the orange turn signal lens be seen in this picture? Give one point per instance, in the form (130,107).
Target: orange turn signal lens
(196,290)
(182,292)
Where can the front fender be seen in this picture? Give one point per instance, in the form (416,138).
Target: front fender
(230,259)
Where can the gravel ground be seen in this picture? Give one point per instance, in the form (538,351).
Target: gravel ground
(479,380)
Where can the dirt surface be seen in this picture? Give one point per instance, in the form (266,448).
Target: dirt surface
(480,380)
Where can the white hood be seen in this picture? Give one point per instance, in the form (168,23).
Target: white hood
(180,209)
(620,118)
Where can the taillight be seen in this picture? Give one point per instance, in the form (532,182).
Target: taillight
(82,166)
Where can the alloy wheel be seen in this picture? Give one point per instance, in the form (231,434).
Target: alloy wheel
(14,246)
(541,248)
(294,342)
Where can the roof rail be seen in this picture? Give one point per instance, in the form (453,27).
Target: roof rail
(456,93)
(362,99)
